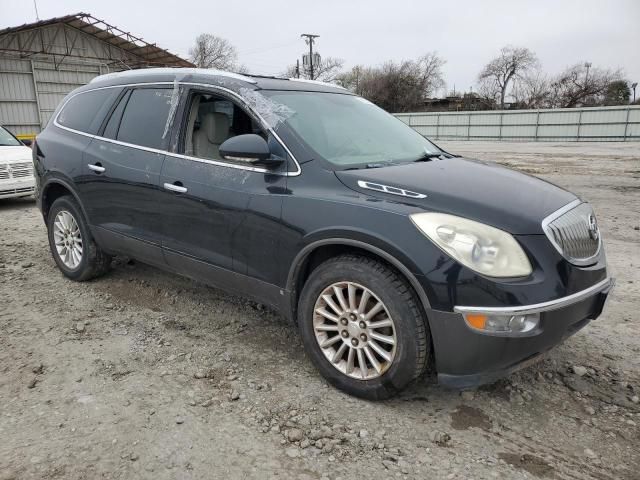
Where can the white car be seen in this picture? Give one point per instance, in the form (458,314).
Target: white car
(16,167)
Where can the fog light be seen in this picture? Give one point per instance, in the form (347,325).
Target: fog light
(503,324)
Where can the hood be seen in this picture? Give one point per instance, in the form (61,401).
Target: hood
(19,153)
(485,192)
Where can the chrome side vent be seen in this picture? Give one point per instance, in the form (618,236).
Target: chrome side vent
(574,231)
(391,190)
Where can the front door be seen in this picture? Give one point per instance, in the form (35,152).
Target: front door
(221,219)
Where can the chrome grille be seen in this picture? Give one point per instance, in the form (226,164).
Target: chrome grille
(21,170)
(16,170)
(574,231)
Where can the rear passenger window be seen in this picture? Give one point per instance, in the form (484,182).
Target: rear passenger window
(85,111)
(111,129)
(145,118)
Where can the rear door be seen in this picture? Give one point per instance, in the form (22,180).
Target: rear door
(122,174)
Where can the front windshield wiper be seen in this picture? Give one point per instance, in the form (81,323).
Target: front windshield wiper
(425,157)
(370,165)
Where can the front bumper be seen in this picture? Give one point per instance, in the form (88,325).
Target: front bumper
(17,188)
(465,357)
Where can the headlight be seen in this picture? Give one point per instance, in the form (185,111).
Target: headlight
(484,249)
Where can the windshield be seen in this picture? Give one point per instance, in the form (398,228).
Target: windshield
(8,140)
(349,131)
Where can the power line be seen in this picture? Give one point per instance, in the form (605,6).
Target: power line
(266,49)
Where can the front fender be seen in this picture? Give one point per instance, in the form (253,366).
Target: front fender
(377,246)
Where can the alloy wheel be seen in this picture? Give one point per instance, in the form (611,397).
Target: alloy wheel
(354,330)
(67,239)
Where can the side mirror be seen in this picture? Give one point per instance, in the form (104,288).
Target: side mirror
(27,141)
(249,148)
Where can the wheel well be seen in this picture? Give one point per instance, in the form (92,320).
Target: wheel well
(51,194)
(318,256)
(324,253)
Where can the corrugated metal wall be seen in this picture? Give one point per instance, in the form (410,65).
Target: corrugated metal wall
(32,86)
(30,90)
(575,124)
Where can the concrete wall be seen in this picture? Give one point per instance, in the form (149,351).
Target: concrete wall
(566,124)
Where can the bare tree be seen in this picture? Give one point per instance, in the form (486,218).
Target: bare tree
(580,85)
(533,90)
(489,92)
(327,70)
(397,87)
(211,51)
(510,64)
(351,80)
(429,67)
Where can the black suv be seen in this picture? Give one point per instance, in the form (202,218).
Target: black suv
(390,254)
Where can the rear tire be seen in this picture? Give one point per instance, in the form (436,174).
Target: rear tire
(72,245)
(396,335)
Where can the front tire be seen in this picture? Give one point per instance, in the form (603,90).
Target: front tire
(362,327)
(73,248)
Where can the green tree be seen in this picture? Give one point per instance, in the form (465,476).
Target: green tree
(618,93)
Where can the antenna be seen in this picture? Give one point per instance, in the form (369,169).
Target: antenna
(35,5)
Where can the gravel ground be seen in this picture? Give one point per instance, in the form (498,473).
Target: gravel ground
(141,374)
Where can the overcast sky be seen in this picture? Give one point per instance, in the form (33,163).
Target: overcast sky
(466,33)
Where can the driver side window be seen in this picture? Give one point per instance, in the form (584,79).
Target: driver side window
(211,121)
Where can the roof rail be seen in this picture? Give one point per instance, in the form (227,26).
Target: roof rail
(177,71)
(317,82)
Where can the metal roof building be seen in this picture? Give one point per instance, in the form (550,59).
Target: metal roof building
(41,62)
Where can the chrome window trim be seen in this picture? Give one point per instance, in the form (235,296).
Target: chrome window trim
(605,284)
(230,165)
(581,262)
(378,187)
(244,104)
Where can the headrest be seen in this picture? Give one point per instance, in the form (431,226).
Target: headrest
(216,126)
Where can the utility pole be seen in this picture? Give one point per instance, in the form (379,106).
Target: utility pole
(298,68)
(633,86)
(309,38)
(587,65)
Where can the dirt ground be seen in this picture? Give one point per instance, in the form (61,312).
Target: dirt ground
(141,374)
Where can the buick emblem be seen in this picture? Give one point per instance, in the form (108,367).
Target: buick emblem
(593,227)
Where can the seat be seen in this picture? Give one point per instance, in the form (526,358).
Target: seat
(214,130)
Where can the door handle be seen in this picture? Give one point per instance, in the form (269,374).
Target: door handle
(175,188)
(96,168)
